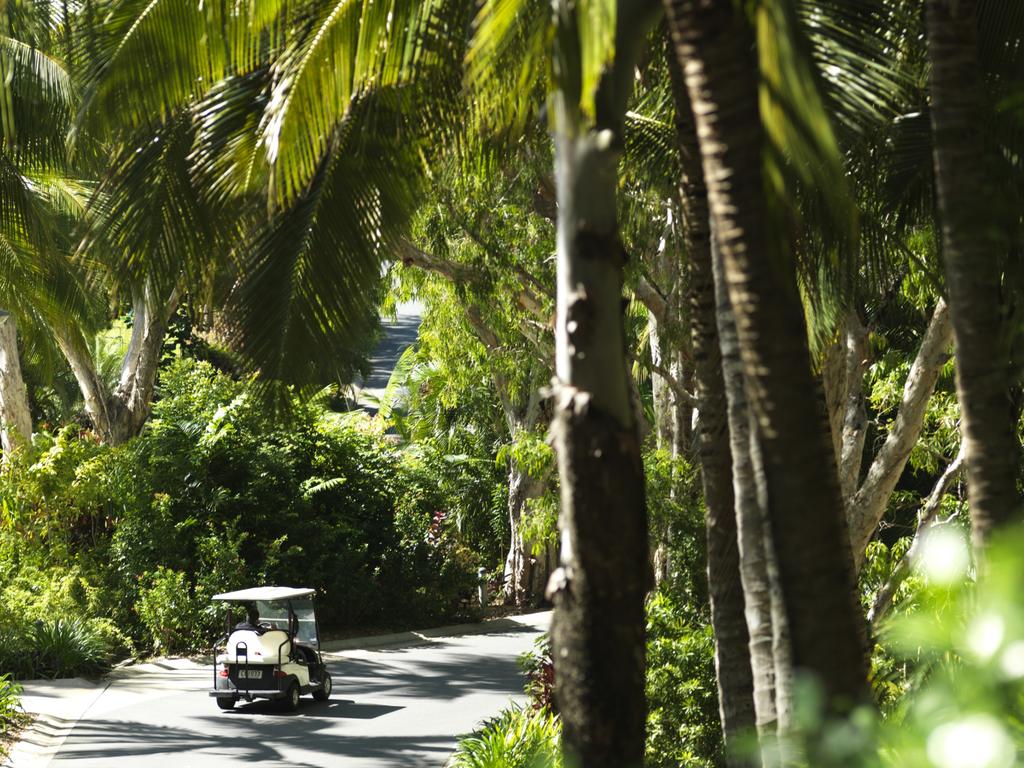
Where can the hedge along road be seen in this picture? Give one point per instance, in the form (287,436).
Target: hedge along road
(401,705)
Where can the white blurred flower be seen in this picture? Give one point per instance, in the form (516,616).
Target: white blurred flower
(945,555)
(1012,660)
(977,741)
(985,635)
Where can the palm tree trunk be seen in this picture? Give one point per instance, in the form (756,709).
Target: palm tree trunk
(732,642)
(599,587)
(762,595)
(15,416)
(714,44)
(973,243)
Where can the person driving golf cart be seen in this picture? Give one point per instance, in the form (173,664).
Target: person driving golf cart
(251,621)
(274,653)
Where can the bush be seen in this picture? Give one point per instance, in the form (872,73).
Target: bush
(54,648)
(682,698)
(67,648)
(169,612)
(517,738)
(10,706)
(539,668)
(220,493)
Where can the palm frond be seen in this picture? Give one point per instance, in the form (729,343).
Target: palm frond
(309,285)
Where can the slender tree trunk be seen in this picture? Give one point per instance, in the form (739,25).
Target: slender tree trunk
(598,627)
(732,642)
(714,43)
(15,416)
(520,561)
(973,244)
(762,595)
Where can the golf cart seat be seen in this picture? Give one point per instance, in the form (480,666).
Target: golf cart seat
(270,647)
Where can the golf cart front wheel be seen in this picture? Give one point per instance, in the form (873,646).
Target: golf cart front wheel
(323,693)
(291,698)
(225,702)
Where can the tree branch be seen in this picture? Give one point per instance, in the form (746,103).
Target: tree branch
(413,256)
(926,520)
(651,298)
(674,384)
(866,507)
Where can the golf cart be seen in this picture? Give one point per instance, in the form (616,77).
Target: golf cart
(274,653)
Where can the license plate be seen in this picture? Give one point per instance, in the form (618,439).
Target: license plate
(254,674)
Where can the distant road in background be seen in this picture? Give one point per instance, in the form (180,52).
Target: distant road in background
(399,334)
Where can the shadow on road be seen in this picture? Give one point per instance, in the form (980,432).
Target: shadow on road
(266,741)
(446,677)
(382,714)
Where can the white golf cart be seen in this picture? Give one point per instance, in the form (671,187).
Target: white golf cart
(274,653)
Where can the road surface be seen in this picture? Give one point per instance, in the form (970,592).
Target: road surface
(398,706)
(399,333)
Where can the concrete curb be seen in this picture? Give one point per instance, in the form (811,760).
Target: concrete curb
(503,624)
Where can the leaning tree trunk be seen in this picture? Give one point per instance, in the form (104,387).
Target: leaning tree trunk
(732,642)
(973,243)
(599,588)
(714,44)
(15,416)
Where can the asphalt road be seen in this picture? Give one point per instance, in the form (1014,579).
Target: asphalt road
(401,706)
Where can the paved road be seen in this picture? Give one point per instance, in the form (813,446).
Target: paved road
(391,707)
(399,333)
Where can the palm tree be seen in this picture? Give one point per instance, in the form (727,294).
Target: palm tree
(735,648)
(974,246)
(714,43)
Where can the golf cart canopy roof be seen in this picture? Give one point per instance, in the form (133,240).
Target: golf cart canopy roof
(266,594)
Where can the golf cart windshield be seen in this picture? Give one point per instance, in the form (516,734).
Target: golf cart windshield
(276,613)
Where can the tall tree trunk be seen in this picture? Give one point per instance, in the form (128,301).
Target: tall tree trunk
(765,616)
(732,642)
(599,588)
(714,43)
(520,561)
(973,244)
(15,416)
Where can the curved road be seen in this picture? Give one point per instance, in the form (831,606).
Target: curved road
(396,706)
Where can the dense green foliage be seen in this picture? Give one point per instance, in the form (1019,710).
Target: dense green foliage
(112,548)
(517,738)
(10,707)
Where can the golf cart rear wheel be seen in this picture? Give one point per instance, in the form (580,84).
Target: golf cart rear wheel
(225,702)
(323,693)
(291,698)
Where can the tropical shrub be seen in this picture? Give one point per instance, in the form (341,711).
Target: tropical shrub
(220,492)
(682,698)
(55,648)
(517,738)
(10,707)
(539,668)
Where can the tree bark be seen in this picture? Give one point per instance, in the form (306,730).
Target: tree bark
(119,415)
(866,506)
(713,42)
(599,588)
(763,609)
(736,688)
(15,416)
(843,384)
(973,243)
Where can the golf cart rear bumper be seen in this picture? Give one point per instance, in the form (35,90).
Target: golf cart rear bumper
(247,695)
